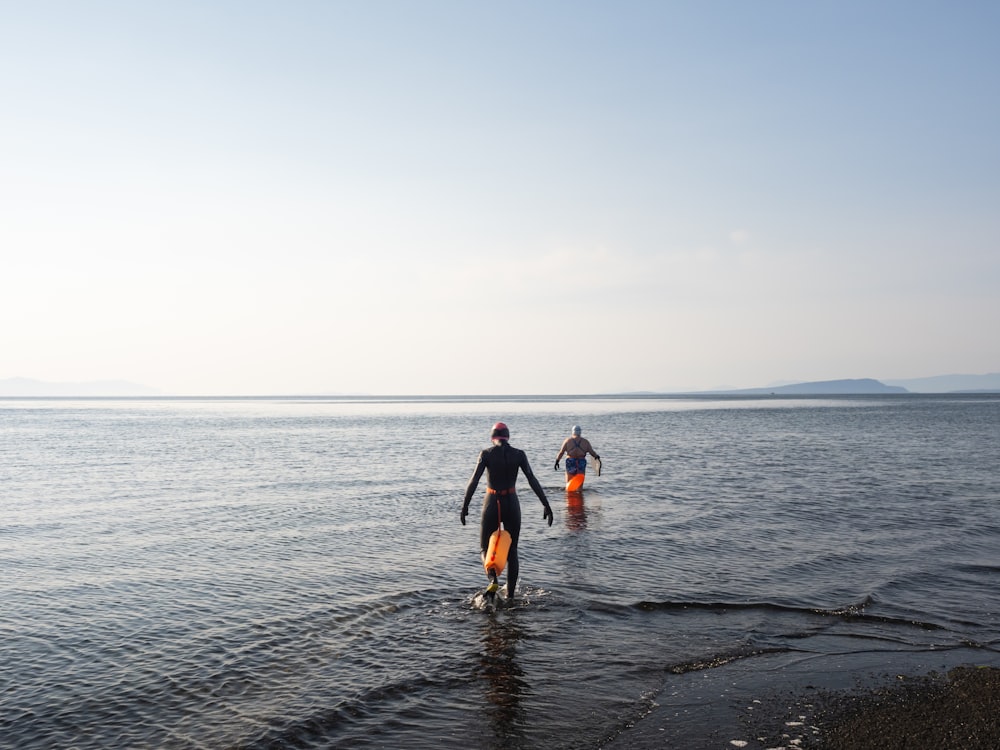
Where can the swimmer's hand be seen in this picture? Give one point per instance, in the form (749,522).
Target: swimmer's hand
(547,514)
(465,512)
(557,466)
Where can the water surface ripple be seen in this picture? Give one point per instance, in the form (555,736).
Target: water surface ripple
(265,573)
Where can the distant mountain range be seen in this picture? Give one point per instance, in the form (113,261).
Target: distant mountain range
(823,388)
(989,383)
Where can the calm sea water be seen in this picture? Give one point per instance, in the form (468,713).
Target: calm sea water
(291,573)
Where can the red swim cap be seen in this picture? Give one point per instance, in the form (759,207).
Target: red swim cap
(500,432)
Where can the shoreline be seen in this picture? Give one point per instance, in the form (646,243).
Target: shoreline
(958,709)
(807,701)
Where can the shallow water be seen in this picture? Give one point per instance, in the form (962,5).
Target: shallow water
(292,572)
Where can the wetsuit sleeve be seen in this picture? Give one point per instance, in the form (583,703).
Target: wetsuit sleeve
(474,481)
(532,480)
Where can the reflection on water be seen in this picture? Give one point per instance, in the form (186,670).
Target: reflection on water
(503,680)
(576,511)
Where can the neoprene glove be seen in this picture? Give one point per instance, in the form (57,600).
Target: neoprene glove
(547,514)
(557,466)
(465,512)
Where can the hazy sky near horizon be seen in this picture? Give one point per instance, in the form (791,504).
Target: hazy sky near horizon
(398,197)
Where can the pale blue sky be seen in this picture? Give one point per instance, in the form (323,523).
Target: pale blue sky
(470,197)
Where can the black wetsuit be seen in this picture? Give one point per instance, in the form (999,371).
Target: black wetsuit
(501,463)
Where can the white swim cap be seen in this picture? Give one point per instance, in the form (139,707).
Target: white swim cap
(576,429)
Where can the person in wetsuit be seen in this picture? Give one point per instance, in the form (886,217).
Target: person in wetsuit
(501,463)
(575,448)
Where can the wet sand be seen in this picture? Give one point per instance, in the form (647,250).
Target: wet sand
(960,709)
(790,701)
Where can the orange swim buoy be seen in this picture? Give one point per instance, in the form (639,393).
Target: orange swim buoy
(496,554)
(575,482)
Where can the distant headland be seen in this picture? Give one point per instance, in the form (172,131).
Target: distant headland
(988,383)
(824,388)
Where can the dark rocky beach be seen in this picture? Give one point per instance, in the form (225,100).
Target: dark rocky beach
(941,700)
(959,709)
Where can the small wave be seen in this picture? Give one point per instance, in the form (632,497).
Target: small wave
(852,613)
(352,721)
(979,569)
(720,660)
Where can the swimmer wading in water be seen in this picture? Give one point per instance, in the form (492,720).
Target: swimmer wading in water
(576,448)
(501,462)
